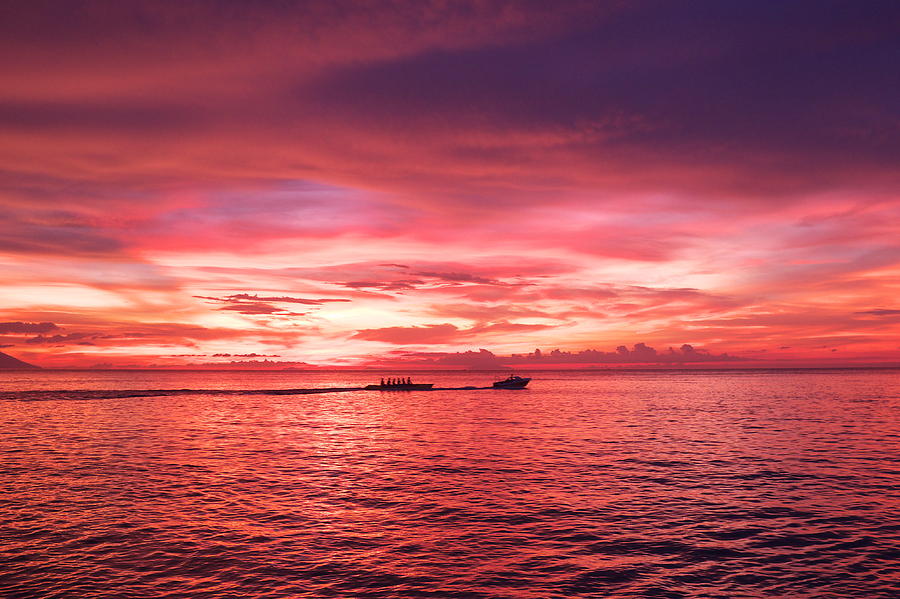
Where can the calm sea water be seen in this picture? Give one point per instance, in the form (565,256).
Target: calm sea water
(637,484)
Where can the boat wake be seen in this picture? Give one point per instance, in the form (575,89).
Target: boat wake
(94,394)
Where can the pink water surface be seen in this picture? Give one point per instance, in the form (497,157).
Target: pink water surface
(587,484)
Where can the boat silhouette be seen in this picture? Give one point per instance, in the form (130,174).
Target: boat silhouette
(512,382)
(399,385)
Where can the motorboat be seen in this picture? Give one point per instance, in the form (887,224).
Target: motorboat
(512,382)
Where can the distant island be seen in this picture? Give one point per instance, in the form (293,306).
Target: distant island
(7,362)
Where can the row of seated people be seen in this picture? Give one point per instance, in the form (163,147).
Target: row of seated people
(391,382)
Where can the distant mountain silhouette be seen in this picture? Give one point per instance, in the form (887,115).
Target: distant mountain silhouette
(7,362)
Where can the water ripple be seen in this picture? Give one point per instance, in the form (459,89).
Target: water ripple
(588,485)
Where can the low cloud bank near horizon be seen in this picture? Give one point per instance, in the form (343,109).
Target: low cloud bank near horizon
(639,354)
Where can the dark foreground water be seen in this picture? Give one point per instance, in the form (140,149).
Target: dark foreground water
(653,484)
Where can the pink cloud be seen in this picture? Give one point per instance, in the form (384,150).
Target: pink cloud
(445,176)
(416,335)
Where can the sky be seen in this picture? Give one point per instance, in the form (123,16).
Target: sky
(449,184)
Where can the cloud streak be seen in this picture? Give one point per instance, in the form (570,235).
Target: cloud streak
(20,328)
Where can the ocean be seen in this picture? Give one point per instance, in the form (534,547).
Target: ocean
(672,484)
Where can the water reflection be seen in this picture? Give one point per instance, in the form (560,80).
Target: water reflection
(623,485)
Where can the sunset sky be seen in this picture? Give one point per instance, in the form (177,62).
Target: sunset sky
(357,183)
